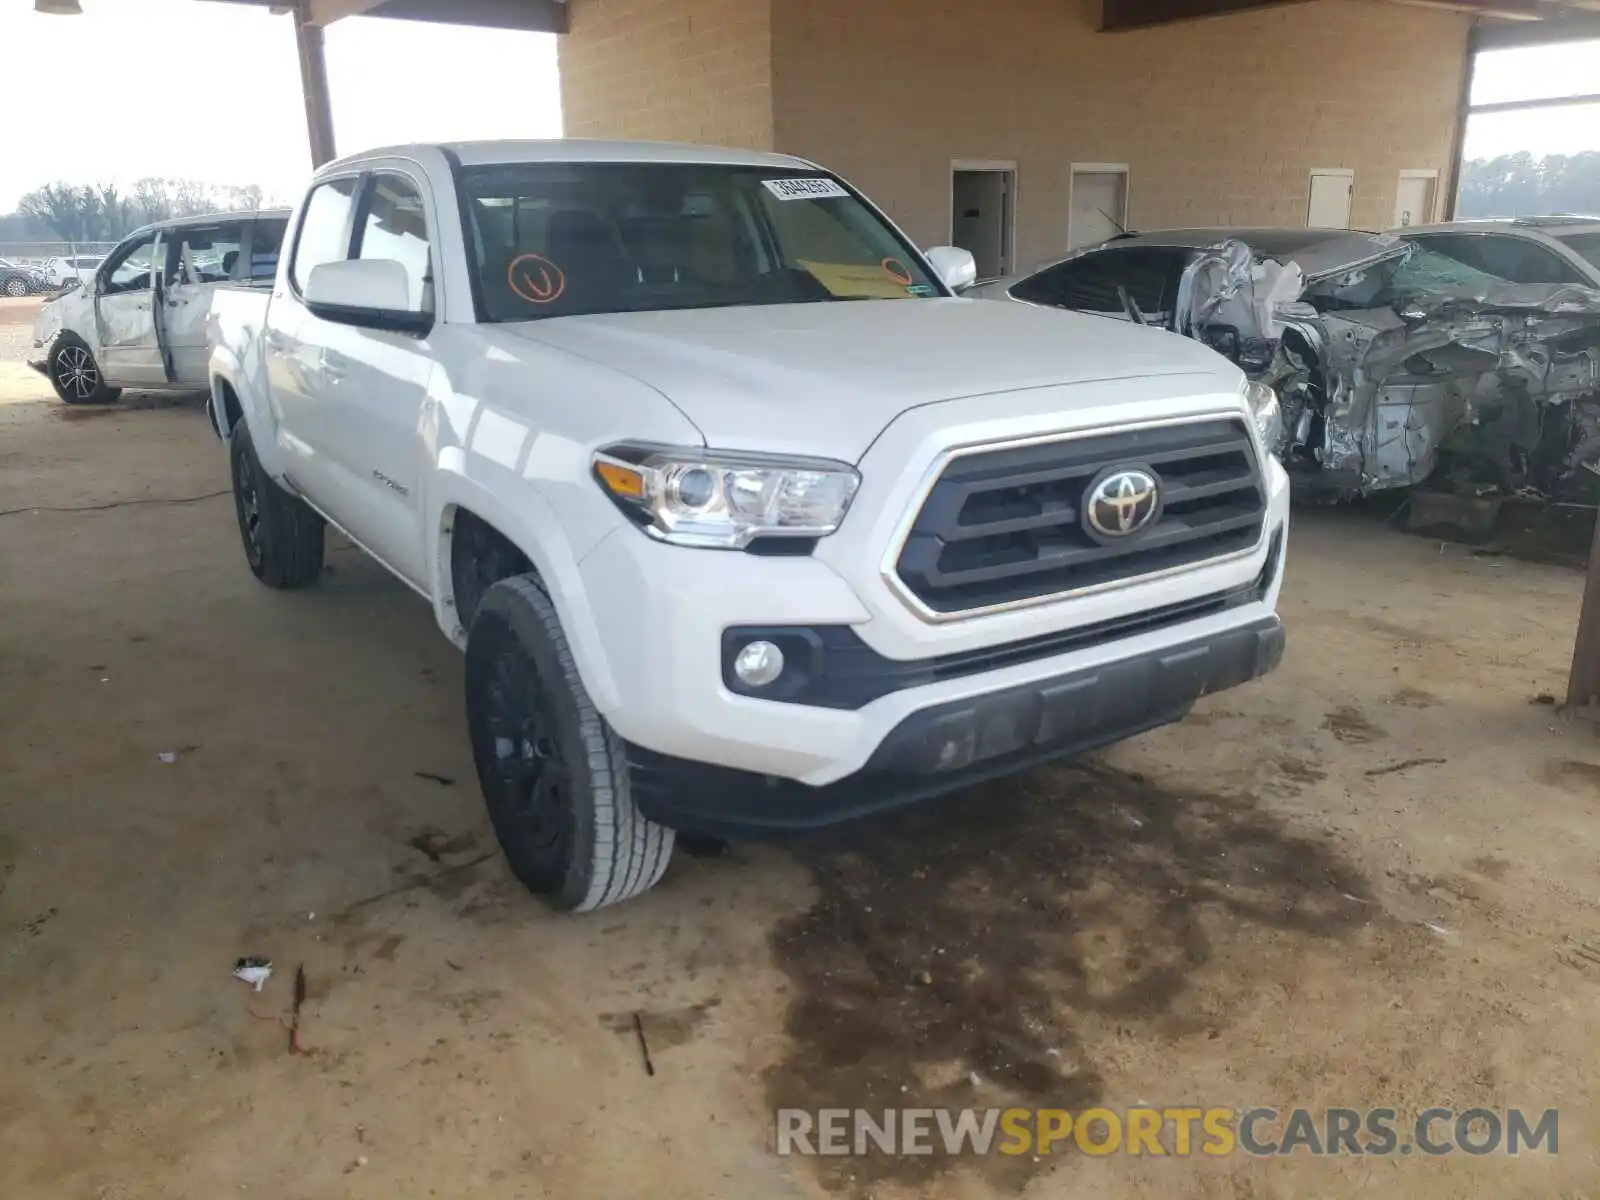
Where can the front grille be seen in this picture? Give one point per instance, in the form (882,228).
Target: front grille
(1002,526)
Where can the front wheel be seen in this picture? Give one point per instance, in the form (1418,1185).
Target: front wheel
(17,286)
(76,376)
(554,775)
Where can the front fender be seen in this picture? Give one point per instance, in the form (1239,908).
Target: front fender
(528,521)
(65,313)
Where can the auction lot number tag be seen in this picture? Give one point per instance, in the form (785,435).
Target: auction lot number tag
(810,188)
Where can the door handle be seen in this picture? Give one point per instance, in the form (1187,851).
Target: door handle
(272,339)
(331,366)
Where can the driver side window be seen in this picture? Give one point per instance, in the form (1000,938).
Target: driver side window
(129,271)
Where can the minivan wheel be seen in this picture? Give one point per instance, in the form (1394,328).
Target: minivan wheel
(75,375)
(554,775)
(282,536)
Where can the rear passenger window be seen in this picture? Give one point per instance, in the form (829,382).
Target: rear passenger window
(1518,259)
(325,230)
(393,226)
(1090,283)
(266,240)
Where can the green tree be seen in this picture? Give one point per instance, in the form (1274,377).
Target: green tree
(103,213)
(1519,185)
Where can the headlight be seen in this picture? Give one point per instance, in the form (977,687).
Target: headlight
(724,500)
(1264,410)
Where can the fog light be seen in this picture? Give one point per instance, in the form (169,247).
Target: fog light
(758,664)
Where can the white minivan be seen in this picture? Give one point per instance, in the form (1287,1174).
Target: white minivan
(139,320)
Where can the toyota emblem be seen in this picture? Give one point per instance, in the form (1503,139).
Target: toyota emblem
(1122,502)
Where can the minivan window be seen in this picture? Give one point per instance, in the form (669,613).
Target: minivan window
(205,254)
(325,229)
(558,239)
(266,241)
(131,270)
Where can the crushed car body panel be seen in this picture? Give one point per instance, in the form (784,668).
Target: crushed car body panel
(1397,363)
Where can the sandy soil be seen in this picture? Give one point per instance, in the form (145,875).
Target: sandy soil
(1235,910)
(16,329)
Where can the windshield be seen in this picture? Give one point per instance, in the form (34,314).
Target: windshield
(1585,245)
(1389,282)
(560,239)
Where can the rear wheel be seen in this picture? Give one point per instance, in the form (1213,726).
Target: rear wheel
(554,775)
(283,537)
(76,376)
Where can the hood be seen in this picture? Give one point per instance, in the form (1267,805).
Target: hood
(1344,252)
(832,376)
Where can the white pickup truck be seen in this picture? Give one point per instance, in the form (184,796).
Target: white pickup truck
(746,522)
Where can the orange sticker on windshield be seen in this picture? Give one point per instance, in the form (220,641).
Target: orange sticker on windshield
(896,270)
(536,279)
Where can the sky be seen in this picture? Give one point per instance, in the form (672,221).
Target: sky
(227,81)
(1532,73)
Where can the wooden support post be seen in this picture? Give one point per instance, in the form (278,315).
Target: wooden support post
(314,82)
(1583,685)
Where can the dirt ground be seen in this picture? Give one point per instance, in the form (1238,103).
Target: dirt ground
(1364,881)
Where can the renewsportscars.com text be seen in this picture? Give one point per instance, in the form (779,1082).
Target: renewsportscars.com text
(1164,1131)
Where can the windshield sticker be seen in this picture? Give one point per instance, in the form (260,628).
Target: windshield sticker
(920,289)
(862,281)
(536,279)
(897,271)
(808,188)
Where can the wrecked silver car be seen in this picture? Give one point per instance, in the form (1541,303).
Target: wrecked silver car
(1393,364)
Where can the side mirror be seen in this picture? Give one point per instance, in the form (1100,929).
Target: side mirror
(955,267)
(374,293)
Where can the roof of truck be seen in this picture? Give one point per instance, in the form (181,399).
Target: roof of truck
(585,150)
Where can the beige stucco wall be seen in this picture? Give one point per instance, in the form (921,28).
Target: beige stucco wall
(1219,121)
(678,70)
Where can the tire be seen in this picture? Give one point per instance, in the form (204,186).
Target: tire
(282,536)
(75,375)
(16,287)
(554,775)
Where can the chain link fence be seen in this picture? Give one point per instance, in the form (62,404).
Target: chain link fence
(52,266)
(39,253)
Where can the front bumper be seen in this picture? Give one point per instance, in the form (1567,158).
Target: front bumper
(654,626)
(953,745)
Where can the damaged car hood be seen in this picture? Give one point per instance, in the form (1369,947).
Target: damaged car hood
(1347,251)
(1394,364)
